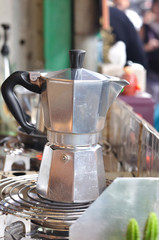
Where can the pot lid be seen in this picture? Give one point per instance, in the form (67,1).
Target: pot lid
(76,71)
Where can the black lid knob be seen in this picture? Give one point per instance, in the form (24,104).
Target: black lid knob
(76,58)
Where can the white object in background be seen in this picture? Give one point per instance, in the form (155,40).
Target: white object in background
(90,45)
(117,53)
(134,18)
(15,157)
(8,219)
(12,219)
(3,224)
(140,72)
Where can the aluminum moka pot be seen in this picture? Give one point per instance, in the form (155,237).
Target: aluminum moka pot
(75,102)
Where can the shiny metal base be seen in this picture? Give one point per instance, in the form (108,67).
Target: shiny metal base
(72,175)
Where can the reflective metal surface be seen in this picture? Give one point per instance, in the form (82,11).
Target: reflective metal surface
(73,140)
(18,196)
(75,103)
(136,147)
(78,105)
(71,175)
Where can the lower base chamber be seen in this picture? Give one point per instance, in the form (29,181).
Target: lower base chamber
(73,175)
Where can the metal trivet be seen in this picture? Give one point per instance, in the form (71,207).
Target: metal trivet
(18,196)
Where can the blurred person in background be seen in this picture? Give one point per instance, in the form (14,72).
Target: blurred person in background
(123,30)
(148,16)
(124,5)
(150,36)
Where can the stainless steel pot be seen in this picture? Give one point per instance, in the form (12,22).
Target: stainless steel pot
(75,102)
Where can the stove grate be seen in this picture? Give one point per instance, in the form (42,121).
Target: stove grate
(18,196)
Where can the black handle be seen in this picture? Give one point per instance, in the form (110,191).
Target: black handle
(7,88)
(76,58)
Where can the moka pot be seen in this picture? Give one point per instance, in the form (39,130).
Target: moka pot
(75,102)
